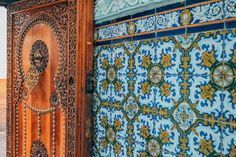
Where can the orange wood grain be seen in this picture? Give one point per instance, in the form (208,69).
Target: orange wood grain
(84,66)
(40,95)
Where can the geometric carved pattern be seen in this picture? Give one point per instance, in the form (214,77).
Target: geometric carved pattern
(38,149)
(39,56)
(54,99)
(32,78)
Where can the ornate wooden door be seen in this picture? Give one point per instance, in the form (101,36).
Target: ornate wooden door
(49,55)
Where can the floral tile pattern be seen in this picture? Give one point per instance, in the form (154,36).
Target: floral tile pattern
(202,14)
(173,96)
(108,9)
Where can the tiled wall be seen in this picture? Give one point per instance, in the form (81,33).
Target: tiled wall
(108,9)
(168,92)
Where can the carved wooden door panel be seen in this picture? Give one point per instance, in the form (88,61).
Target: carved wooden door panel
(46,47)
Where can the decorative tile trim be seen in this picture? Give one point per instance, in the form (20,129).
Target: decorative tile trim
(205,13)
(110,9)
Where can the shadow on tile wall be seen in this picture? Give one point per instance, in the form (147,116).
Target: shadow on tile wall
(171,95)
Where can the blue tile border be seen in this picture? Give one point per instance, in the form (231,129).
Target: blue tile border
(170,33)
(141,14)
(171,19)
(146,36)
(190,2)
(231,24)
(205,28)
(181,31)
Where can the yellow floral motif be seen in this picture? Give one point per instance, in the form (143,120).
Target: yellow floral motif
(104,63)
(213,33)
(117,106)
(118,63)
(233,151)
(143,154)
(208,58)
(164,39)
(130,152)
(145,88)
(147,42)
(131,63)
(117,148)
(130,129)
(118,125)
(196,46)
(104,121)
(118,86)
(130,140)
(166,60)
(234,57)
(146,61)
(207,92)
(223,32)
(104,143)
(146,110)
(183,154)
(206,147)
(183,144)
(234,31)
(163,112)
(105,104)
(185,61)
(186,17)
(131,85)
(232,124)
(144,131)
(209,120)
(165,89)
(131,28)
(185,86)
(165,136)
(104,85)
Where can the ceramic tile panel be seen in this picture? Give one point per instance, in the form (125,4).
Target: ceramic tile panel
(228,69)
(110,9)
(229,8)
(200,14)
(176,98)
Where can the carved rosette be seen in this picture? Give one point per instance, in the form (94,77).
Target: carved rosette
(39,56)
(38,149)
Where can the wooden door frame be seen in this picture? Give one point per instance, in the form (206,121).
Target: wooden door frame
(85,66)
(80,24)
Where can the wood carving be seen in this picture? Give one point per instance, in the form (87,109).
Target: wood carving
(39,56)
(38,149)
(60,104)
